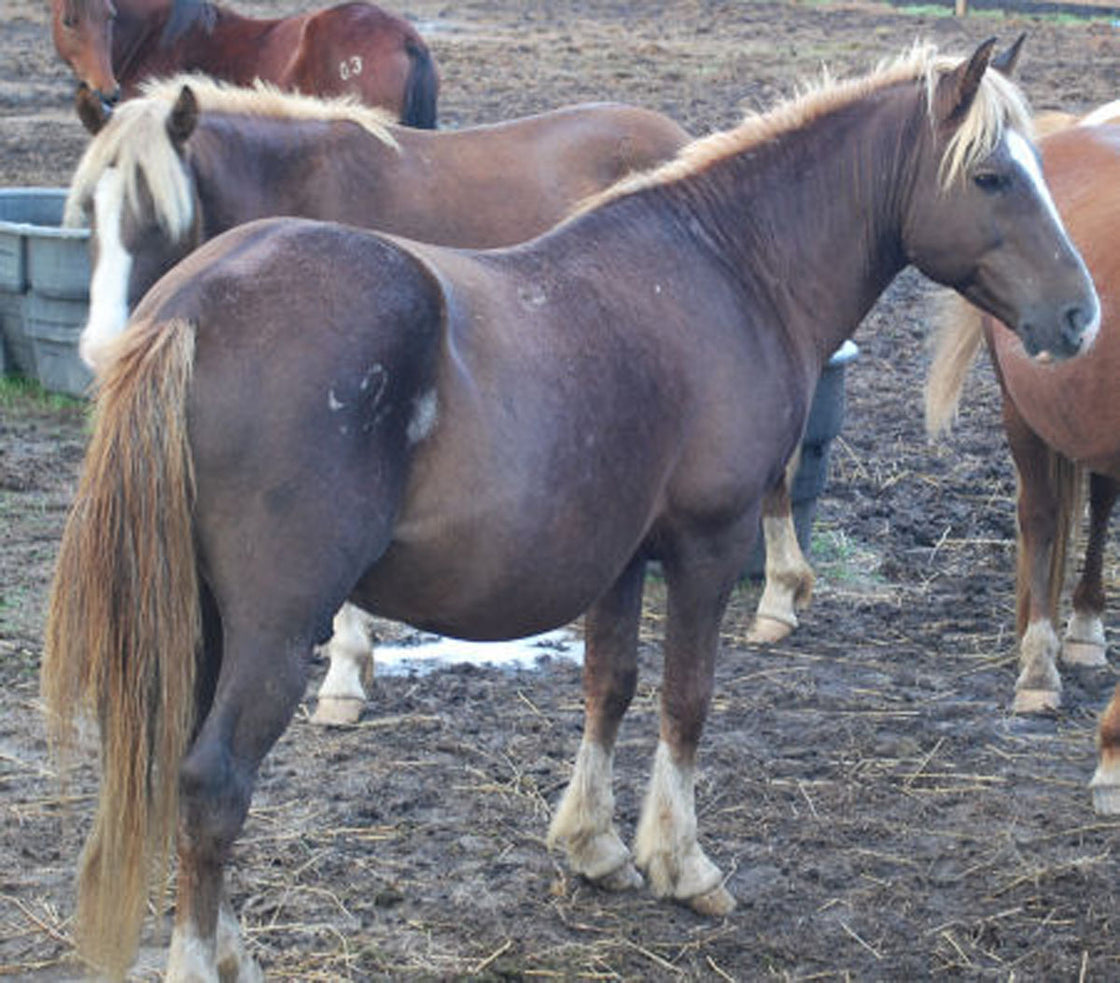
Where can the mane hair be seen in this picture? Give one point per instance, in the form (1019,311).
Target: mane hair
(136,141)
(186,14)
(999,105)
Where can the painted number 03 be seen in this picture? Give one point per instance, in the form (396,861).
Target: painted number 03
(350,67)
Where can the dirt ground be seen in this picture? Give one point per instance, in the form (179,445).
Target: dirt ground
(879,813)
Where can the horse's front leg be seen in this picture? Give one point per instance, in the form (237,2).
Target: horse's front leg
(788,586)
(1039,687)
(1106,781)
(584,820)
(343,693)
(215,785)
(1084,642)
(666,847)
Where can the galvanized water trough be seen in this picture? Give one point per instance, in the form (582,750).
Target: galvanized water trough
(44,289)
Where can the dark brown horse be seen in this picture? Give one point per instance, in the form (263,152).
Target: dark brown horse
(1062,422)
(789,578)
(192,158)
(488,443)
(355,49)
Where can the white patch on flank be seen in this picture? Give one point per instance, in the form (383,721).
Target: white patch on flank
(108,287)
(424,416)
(334,402)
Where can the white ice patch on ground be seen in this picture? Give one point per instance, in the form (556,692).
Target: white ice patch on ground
(432,652)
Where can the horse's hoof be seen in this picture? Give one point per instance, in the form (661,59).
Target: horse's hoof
(338,711)
(624,878)
(1105,787)
(766,631)
(1078,653)
(1036,701)
(712,904)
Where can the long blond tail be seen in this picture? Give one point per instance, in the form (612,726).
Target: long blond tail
(955,346)
(124,629)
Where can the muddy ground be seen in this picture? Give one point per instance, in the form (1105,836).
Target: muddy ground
(878,812)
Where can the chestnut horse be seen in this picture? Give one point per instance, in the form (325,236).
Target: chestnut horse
(789,578)
(487,444)
(1062,422)
(192,158)
(355,49)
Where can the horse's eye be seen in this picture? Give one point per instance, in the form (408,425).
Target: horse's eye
(990,183)
(69,21)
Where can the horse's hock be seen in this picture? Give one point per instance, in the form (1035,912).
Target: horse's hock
(44,289)
(826,417)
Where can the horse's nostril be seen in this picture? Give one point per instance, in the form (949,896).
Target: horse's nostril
(1074,323)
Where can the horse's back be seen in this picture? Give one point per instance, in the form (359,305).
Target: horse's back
(600,143)
(1073,405)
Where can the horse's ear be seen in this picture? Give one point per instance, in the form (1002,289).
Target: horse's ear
(1007,61)
(91,110)
(956,89)
(184,116)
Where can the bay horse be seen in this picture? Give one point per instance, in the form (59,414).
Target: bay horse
(788,575)
(355,49)
(486,444)
(191,158)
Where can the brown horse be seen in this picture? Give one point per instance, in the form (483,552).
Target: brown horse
(355,49)
(192,158)
(789,578)
(1061,421)
(486,444)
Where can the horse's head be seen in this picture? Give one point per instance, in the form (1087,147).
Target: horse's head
(134,189)
(980,218)
(83,37)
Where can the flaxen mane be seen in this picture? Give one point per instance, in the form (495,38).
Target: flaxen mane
(135,140)
(998,105)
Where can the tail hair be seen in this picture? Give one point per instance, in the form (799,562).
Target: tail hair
(956,343)
(421,89)
(124,629)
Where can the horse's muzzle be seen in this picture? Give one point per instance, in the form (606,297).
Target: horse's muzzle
(1075,331)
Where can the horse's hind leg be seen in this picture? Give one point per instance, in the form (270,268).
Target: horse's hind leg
(789,580)
(584,820)
(343,693)
(666,846)
(216,780)
(1084,642)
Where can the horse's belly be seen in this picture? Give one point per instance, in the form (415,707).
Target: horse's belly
(484,594)
(1073,406)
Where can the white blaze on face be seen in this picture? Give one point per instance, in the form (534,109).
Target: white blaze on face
(108,287)
(1023,155)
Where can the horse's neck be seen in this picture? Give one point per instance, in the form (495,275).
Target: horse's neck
(139,48)
(246,167)
(810,221)
(136,34)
